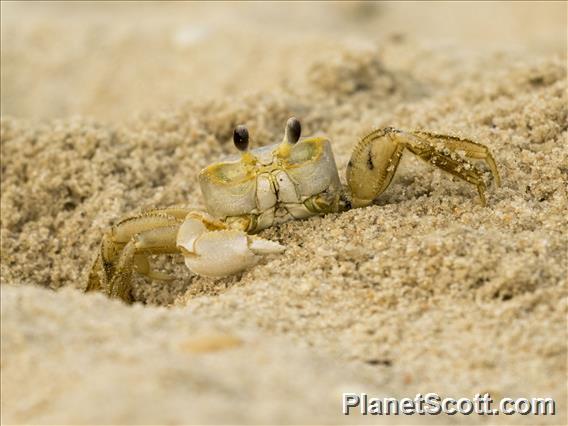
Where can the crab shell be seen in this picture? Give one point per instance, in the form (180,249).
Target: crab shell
(274,185)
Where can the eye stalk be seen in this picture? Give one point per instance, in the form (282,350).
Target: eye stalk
(241,140)
(293,130)
(291,137)
(241,137)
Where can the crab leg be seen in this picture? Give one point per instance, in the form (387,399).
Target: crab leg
(142,265)
(377,156)
(150,232)
(153,241)
(471,149)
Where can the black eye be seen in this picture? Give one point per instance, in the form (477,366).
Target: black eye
(293,130)
(241,137)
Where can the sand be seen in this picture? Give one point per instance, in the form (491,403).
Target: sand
(107,113)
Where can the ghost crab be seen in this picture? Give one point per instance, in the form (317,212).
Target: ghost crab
(293,179)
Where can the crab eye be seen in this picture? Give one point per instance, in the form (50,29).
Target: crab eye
(293,130)
(241,137)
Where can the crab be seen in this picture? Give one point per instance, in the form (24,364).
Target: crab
(266,186)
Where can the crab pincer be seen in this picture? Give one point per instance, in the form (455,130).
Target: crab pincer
(212,249)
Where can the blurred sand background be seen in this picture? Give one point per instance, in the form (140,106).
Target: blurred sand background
(110,108)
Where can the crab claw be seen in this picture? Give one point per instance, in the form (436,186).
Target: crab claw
(220,252)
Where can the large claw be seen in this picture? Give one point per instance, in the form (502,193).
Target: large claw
(212,249)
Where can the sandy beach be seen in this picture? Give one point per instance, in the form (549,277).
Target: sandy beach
(111,109)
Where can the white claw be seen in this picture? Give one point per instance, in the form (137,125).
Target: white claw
(222,252)
(188,233)
(262,246)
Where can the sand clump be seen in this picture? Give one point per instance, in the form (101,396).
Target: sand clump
(424,291)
